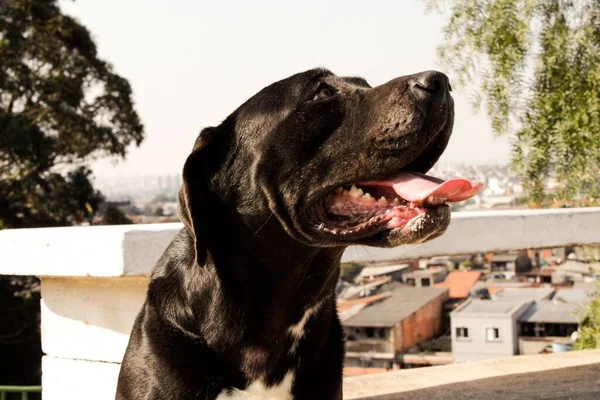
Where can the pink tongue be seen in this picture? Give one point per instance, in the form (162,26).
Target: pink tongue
(416,187)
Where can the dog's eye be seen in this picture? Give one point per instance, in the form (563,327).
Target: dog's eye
(324,92)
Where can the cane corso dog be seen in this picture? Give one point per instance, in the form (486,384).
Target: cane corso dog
(242,303)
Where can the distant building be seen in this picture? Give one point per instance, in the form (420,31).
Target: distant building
(460,283)
(352,292)
(425,277)
(485,329)
(438,262)
(394,272)
(504,262)
(548,325)
(575,271)
(379,333)
(538,275)
(523,294)
(574,295)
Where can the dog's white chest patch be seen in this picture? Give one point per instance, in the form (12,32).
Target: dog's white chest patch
(257,390)
(297,331)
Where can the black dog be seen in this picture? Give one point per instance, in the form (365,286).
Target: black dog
(241,304)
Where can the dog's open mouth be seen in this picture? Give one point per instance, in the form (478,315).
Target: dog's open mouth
(409,201)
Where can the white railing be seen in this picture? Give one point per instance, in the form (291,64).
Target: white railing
(94,280)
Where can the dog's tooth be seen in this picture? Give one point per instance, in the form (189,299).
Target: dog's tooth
(382,200)
(354,192)
(368,196)
(346,193)
(396,201)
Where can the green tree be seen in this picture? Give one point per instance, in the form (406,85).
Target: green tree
(60,107)
(158,212)
(114,216)
(535,66)
(589,332)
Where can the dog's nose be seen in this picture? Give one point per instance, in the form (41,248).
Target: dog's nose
(430,83)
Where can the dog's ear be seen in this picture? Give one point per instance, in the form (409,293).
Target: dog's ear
(195,196)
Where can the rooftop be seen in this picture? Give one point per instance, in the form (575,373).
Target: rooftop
(460,283)
(402,302)
(424,272)
(482,308)
(577,266)
(523,294)
(573,295)
(551,312)
(376,271)
(503,257)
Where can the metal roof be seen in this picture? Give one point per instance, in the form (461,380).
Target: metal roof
(523,294)
(424,272)
(573,295)
(403,302)
(547,311)
(376,271)
(482,308)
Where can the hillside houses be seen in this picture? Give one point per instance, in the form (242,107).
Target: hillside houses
(402,316)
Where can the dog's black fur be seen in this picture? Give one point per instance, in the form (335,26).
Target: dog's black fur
(250,262)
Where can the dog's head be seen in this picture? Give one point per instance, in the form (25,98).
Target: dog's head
(335,161)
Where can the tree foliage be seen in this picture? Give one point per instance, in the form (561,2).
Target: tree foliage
(589,333)
(114,216)
(535,66)
(60,106)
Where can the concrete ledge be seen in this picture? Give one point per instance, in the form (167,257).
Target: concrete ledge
(573,375)
(66,379)
(113,251)
(90,318)
(118,250)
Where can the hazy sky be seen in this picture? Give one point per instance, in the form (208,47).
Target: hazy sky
(191,63)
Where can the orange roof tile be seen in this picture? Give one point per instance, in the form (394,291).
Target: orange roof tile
(460,283)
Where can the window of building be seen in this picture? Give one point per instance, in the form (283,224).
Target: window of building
(492,334)
(462,332)
(425,282)
(411,281)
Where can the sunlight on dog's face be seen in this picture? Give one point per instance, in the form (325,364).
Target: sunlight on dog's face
(338,162)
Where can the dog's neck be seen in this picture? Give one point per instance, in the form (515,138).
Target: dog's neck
(255,294)
(271,271)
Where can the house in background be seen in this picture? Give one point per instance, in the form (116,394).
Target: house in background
(352,292)
(539,276)
(379,333)
(575,271)
(425,277)
(547,322)
(349,308)
(504,262)
(460,283)
(523,294)
(394,272)
(574,295)
(485,329)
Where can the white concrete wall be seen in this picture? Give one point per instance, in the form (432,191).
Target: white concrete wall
(477,347)
(134,249)
(94,280)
